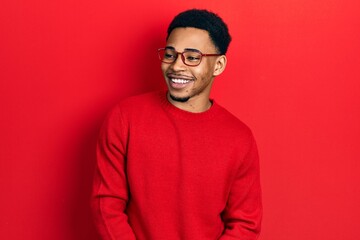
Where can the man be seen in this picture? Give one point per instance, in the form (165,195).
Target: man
(175,165)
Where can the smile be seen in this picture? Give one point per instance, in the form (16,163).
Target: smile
(179,80)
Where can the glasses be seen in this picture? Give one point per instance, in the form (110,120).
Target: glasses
(190,57)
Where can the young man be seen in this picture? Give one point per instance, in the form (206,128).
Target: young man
(175,165)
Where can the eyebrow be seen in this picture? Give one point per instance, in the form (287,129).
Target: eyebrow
(186,49)
(192,50)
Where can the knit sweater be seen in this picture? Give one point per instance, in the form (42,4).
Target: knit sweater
(168,174)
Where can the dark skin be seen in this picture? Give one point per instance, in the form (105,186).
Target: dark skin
(189,87)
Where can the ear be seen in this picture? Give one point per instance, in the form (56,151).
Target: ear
(220,65)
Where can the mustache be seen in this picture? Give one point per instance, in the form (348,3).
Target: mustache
(179,75)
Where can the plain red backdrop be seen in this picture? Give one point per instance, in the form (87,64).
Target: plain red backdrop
(293,77)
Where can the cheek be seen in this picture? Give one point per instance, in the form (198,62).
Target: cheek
(164,67)
(203,73)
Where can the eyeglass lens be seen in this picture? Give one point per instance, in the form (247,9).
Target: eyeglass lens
(189,57)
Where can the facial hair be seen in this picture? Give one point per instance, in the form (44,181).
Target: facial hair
(179,99)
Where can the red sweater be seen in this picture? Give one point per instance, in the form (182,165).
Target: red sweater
(167,174)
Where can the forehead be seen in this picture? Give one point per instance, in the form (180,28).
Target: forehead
(183,38)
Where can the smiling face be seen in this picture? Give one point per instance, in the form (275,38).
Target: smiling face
(189,87)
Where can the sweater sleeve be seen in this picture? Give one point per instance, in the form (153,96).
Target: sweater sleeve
(243,212)
(110,188)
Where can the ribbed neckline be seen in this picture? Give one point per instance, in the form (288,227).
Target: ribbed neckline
(210,113)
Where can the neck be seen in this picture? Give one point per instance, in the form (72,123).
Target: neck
(194,104)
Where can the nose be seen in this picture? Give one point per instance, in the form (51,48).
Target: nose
(178,64)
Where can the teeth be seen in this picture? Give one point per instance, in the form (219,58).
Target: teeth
(181,81)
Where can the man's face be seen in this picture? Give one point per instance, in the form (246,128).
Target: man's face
(186,82)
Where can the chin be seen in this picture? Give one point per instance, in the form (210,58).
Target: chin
(178,98)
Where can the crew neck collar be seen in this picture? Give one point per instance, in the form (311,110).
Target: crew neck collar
(169,107)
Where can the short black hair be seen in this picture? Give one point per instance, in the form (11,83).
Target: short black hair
(205,20)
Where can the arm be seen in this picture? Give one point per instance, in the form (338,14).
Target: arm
(110,189)
(243,212)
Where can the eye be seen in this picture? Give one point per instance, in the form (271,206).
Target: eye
(168,55)
(192,57)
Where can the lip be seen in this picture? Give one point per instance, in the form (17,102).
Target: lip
(178,82)
(179,76)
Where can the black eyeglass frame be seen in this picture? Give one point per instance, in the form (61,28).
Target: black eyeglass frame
(183,57)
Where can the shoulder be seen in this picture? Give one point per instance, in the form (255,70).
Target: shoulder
(132,108)
(145,99)
(233,130)
(236,136)
(138,106)
(139,102)
(229,120)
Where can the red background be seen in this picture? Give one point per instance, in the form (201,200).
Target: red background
(293,77)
